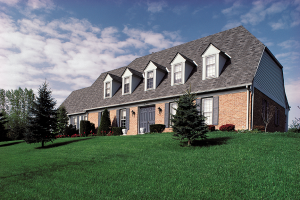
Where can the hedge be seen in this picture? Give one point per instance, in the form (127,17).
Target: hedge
(157,128)
(227,127)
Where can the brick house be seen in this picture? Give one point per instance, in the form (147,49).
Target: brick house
(232,73)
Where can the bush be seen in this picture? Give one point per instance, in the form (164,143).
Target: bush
(105,124)
(211,127)
(117,130)
(157,128)
(294,130)
(70,130)
(86,127)
(260,128)
(227,127)
(75,135)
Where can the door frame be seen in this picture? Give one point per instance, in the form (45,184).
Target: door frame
(139,110)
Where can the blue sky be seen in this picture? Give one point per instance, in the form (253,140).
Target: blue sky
(71,42)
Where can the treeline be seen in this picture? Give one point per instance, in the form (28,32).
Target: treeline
(23,115)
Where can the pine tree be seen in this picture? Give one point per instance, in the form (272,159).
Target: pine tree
(42,117)
(188,123)
(62,120)
(3,131)
(105,123)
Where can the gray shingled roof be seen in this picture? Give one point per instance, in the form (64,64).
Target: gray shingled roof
(245,51)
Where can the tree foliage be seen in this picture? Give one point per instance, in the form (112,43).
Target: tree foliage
(188,123)
(16,105)
(62,120)
(295,126)
(42,117)
(3,131)
(105,124)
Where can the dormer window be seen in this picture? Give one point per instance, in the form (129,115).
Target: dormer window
(178,73)
(107,89)
(112,84)
(213,62)
(210,66)
(181,68)
(150,80)
(153,73)
(126,85)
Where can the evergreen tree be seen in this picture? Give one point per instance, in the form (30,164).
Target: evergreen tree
(3,131)
(105,123)
(62,120)
(188,123)
(42,117)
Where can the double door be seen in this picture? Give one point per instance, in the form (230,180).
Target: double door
(147,117)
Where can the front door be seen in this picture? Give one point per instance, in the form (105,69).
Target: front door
(147,117)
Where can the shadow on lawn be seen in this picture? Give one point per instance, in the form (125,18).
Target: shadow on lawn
(61,143)
(211,142)
(9,144)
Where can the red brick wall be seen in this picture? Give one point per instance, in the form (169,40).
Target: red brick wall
(113,117)
(133,121)
(257,117)
(93,117)
(233,110)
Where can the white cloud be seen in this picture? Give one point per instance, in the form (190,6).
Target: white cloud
(233,9)
(230,25)
(37,4)
(289,44)
(278,25)
(293,92)
(10,2)
(155,7)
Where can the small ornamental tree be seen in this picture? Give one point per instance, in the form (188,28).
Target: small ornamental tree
(188,123)
(105,124)
(62,120)
(267,113)
(42,117)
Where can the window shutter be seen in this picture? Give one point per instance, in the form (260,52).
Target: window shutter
(77,126)
(198,104)
(215,111)
(99,118)
(118,118)
(127,118)
(167,114)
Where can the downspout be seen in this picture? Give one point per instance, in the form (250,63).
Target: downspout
(247,117)
(252,106)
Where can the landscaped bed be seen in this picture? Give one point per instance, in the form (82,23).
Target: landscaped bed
(229,165)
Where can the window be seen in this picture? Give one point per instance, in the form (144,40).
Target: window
(207,108)
(211,66)
(177,73)
(75,121)
(150,80)
(107,89)
(173,107)
(126,85)
(84,118)
(123,118)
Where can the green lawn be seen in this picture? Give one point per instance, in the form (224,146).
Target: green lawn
(227,166)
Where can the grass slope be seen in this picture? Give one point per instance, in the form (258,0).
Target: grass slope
(227,166)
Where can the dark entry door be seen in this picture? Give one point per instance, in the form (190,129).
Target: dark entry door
(147,117)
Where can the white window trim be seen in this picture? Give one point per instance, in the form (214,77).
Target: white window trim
(121,111)
(182,73)
(203,110)
(214,76)
(106,97)
(171,107)
(123,85)
(153,78)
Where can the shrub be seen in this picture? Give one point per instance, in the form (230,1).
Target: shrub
(86,127)
(75,135)
(117,130)
(227,127)
(110,133)
(70,130)
(157,128)
(294,130)
(211,127)
(260,128)
(105,124)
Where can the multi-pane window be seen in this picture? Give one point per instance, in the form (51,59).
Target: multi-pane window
(207,109)
(178,73)
(126,85)
(173,108)
(107,89)
(123,118)
(150,80)
(75,121)
(211,66)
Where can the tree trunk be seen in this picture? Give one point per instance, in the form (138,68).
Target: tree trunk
(189,143)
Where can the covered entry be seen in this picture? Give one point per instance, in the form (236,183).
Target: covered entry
(147,117)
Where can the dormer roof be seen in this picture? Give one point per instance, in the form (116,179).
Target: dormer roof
(186,58)
(134,72)
(162,68)
(114,77)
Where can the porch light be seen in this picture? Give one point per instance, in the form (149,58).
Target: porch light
(159,110)
(133,113)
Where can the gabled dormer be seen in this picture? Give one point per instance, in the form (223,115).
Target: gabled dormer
(213,61)
(181,68)
(112,84)
(130,80)
(153,73)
